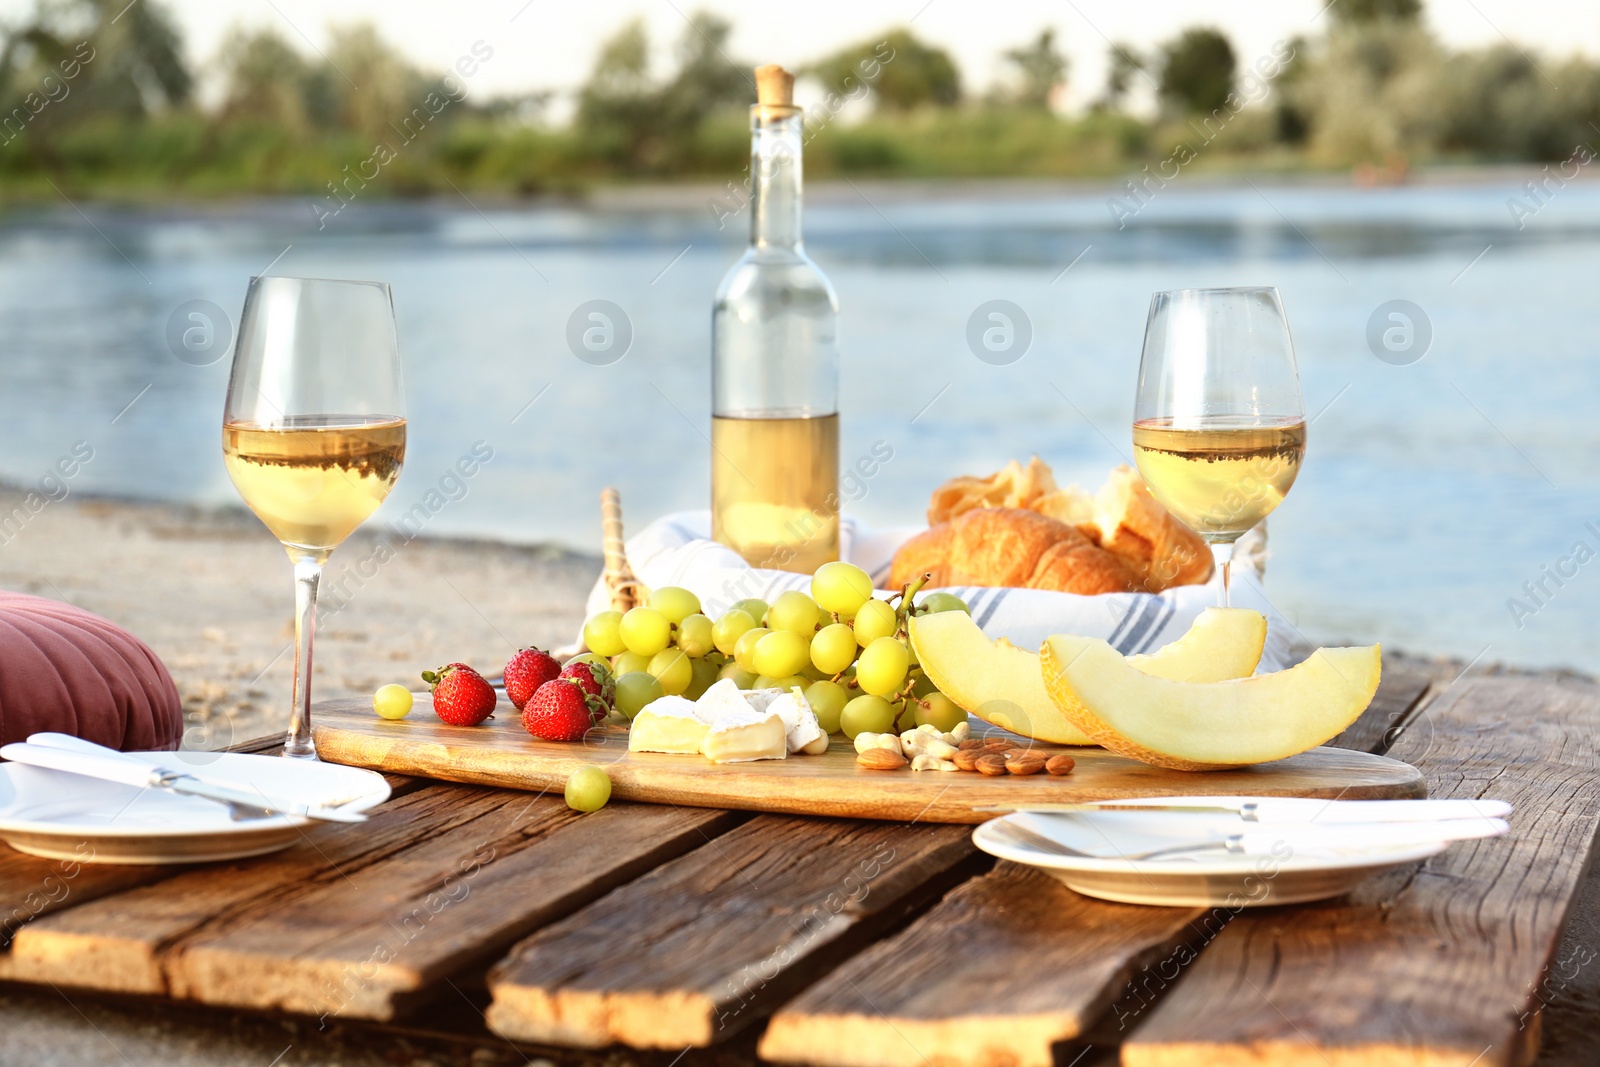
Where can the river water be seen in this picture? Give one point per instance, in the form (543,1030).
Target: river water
(1436,489)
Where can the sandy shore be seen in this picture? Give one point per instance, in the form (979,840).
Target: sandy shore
(211,593)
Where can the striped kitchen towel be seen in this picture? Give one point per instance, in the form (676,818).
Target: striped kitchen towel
(677,549)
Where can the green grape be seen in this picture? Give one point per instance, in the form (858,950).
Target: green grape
(933,603)
(705,675)
(810,673)
(841,588)
(603,634)
(726,631)
(767,681)
(905,716)
(874,619)
(741,677)
(881,670)
(675,602)
(794,611)
(645,631)
(756,608)
(629,662)
(635,690)
(694,635)
(866,715)
(392,701)
(589,657)
(940,711)
(781,653)
(744,651)
(672,669)
(834,648)
(921,685)
(827,700)
(588,788)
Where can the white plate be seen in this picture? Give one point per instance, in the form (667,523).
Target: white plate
(1293,875)
(72,817)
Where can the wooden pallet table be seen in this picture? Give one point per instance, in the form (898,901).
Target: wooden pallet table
(859,944)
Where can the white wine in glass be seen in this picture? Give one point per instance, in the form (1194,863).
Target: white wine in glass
(313,433)
(1219,427)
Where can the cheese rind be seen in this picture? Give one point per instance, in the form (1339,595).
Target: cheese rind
(800,725)
(722,698)
(739,737)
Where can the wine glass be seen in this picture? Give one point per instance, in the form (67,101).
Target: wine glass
(1219,427)
(314,433)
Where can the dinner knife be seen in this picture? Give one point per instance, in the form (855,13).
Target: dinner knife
(136,771)
(1282,810)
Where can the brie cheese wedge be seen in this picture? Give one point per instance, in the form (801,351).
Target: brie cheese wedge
(669,724)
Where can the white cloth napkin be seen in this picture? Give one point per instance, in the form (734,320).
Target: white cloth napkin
(677,549)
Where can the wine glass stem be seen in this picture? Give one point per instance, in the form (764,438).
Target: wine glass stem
(1222,552)
(307,574)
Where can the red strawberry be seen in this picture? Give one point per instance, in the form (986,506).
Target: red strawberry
(527,671)
(560,710)
(597,681)
(461,697)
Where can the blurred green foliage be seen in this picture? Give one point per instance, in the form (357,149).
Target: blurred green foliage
(97,99)
(1197,71)
(913,75)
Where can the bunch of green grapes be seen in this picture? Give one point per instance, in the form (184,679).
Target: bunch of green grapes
(846,649)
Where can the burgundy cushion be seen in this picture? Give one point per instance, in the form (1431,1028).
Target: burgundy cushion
(65,669)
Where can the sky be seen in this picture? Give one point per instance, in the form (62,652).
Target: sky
(551,44)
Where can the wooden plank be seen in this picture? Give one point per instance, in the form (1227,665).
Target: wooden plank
(449,905)
(1006,967)
(1400,692)
(366,919)
(1436,964)
(32,886)
(117,944)
(501,753)
(691,952)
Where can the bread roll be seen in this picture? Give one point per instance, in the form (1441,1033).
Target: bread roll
(1010,547)
(1160,550)
(1013,486)
(923,554)
(1077,565)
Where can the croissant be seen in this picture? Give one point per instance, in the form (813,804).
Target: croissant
(1123,518)
(1160,550)
(1011,547)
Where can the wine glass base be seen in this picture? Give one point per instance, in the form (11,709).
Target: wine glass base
(296,749)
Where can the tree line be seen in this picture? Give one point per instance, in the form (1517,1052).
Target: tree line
(99,97)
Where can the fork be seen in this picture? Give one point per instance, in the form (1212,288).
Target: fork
(1021,835)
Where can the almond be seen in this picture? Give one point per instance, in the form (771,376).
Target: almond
(881,759)
(1061,764)
(966,759)
(971,744)
(1025,763)
(998,744)
(991,764)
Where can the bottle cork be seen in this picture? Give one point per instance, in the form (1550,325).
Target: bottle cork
(774,91)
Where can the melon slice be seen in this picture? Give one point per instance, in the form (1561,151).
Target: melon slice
(1198,726)
(1003,684)
(1223,643)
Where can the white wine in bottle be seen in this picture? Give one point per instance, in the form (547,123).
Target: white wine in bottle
(775,365)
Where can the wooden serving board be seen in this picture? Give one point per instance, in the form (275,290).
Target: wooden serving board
(501,753)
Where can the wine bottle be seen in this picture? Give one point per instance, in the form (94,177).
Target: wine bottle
(775,365)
